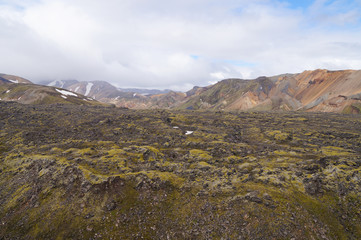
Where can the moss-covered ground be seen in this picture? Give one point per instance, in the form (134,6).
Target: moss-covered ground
(80,172)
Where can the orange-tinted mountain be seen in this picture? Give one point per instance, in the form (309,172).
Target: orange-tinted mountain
(319,90)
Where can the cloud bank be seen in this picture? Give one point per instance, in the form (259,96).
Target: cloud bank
(175,44)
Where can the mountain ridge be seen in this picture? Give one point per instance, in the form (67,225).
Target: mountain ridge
(318,90)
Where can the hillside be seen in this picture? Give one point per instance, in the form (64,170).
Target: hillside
(81,172)
(5,78)
(23,91)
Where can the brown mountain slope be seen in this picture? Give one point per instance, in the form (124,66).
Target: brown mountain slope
(158,101)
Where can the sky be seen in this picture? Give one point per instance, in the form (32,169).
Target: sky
(176,44)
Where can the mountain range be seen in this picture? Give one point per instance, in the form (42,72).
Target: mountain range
(317,91)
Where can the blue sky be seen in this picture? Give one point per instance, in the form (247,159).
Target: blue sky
(300,4)
(176,44)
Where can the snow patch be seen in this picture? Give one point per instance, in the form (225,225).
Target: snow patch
(52,84)
(7,91)
(134,94)
(66,92)
(76,89)
(19,98)
(176,127)
(63,96)
(13,81)
(189,132)
(88,88)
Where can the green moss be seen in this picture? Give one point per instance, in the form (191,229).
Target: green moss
(56,150)
(92,175)
(352,109)
(281,153)
(200,154)
(86,151)
(323,212)
(16,197)
(201,165)
(334,151)
(246,166)
(279,136)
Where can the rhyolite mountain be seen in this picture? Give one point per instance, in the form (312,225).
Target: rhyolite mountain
(319,91)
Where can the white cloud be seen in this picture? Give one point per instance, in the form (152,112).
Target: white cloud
(175,44)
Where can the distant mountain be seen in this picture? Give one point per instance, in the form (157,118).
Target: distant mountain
(127,97)
(145,91)
(94,89)
(102,89)
(158,101)
(17,89)
(63,83)
(319,90)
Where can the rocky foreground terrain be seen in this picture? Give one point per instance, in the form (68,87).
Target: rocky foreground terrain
(90,172)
